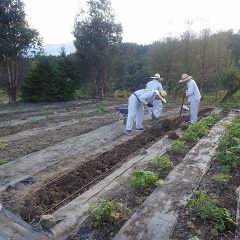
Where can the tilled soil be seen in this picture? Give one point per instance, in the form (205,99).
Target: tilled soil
(53,195)
(21,147)
(132,199)
(51,116)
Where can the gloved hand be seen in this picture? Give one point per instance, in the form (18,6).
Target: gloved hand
(149,105)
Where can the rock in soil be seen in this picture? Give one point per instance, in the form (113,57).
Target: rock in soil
(47,222)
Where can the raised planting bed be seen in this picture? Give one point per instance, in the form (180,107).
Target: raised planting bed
(214,208)
(44,118)
(53,195)
(26,142)
(132,198)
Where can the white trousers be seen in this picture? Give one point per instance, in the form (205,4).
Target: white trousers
(194,110)
(156,109)
(135,108)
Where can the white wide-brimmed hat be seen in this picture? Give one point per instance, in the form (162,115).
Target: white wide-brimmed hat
(185,77)
(161,94)
(157,76)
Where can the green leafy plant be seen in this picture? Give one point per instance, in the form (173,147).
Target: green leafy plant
(3,161)
(2,146)
(211,119)
(178,147)
(106,210)
(228,153)
(101,108)
(82,120)
(194,238)
(222,177)
(144,180)
(189,136)
(161,163)
(206,206)
(199,128)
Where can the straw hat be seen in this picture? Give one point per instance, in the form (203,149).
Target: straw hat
(157,76)
(161,94)
(185,77)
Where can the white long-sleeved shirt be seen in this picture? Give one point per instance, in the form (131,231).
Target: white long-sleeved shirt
(154,85)
(192,92)
(146,96)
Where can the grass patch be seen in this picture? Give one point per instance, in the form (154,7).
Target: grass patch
(216,100)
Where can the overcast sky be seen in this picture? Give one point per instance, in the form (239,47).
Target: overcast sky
(143,21)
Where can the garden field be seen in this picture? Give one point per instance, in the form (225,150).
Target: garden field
(62,166)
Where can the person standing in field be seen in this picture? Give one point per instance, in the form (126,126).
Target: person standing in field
(155,84)
(193,95)
(136,103)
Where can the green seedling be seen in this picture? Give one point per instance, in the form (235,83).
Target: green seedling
(101,108)
(178,147)
(2,146)
(106,210)
(3,161)
(82,120)
(34,121)
(194,238)
(222,177)
(87,114)
(161,163)
(143,180)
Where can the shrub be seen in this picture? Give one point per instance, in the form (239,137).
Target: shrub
(161,163)
(106,210)
(144,180)
(122,93)
(83,92)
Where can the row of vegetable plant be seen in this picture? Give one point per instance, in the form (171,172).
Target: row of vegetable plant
(144,181)
(210,211)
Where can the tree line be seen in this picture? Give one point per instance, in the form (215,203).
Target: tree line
(103,63)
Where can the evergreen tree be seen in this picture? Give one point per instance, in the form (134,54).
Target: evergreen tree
(45,83)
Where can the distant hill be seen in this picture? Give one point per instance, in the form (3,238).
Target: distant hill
(55,49)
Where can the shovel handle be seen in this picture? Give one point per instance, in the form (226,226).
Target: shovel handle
(181,108)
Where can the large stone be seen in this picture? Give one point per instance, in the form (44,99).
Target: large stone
(47,222)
